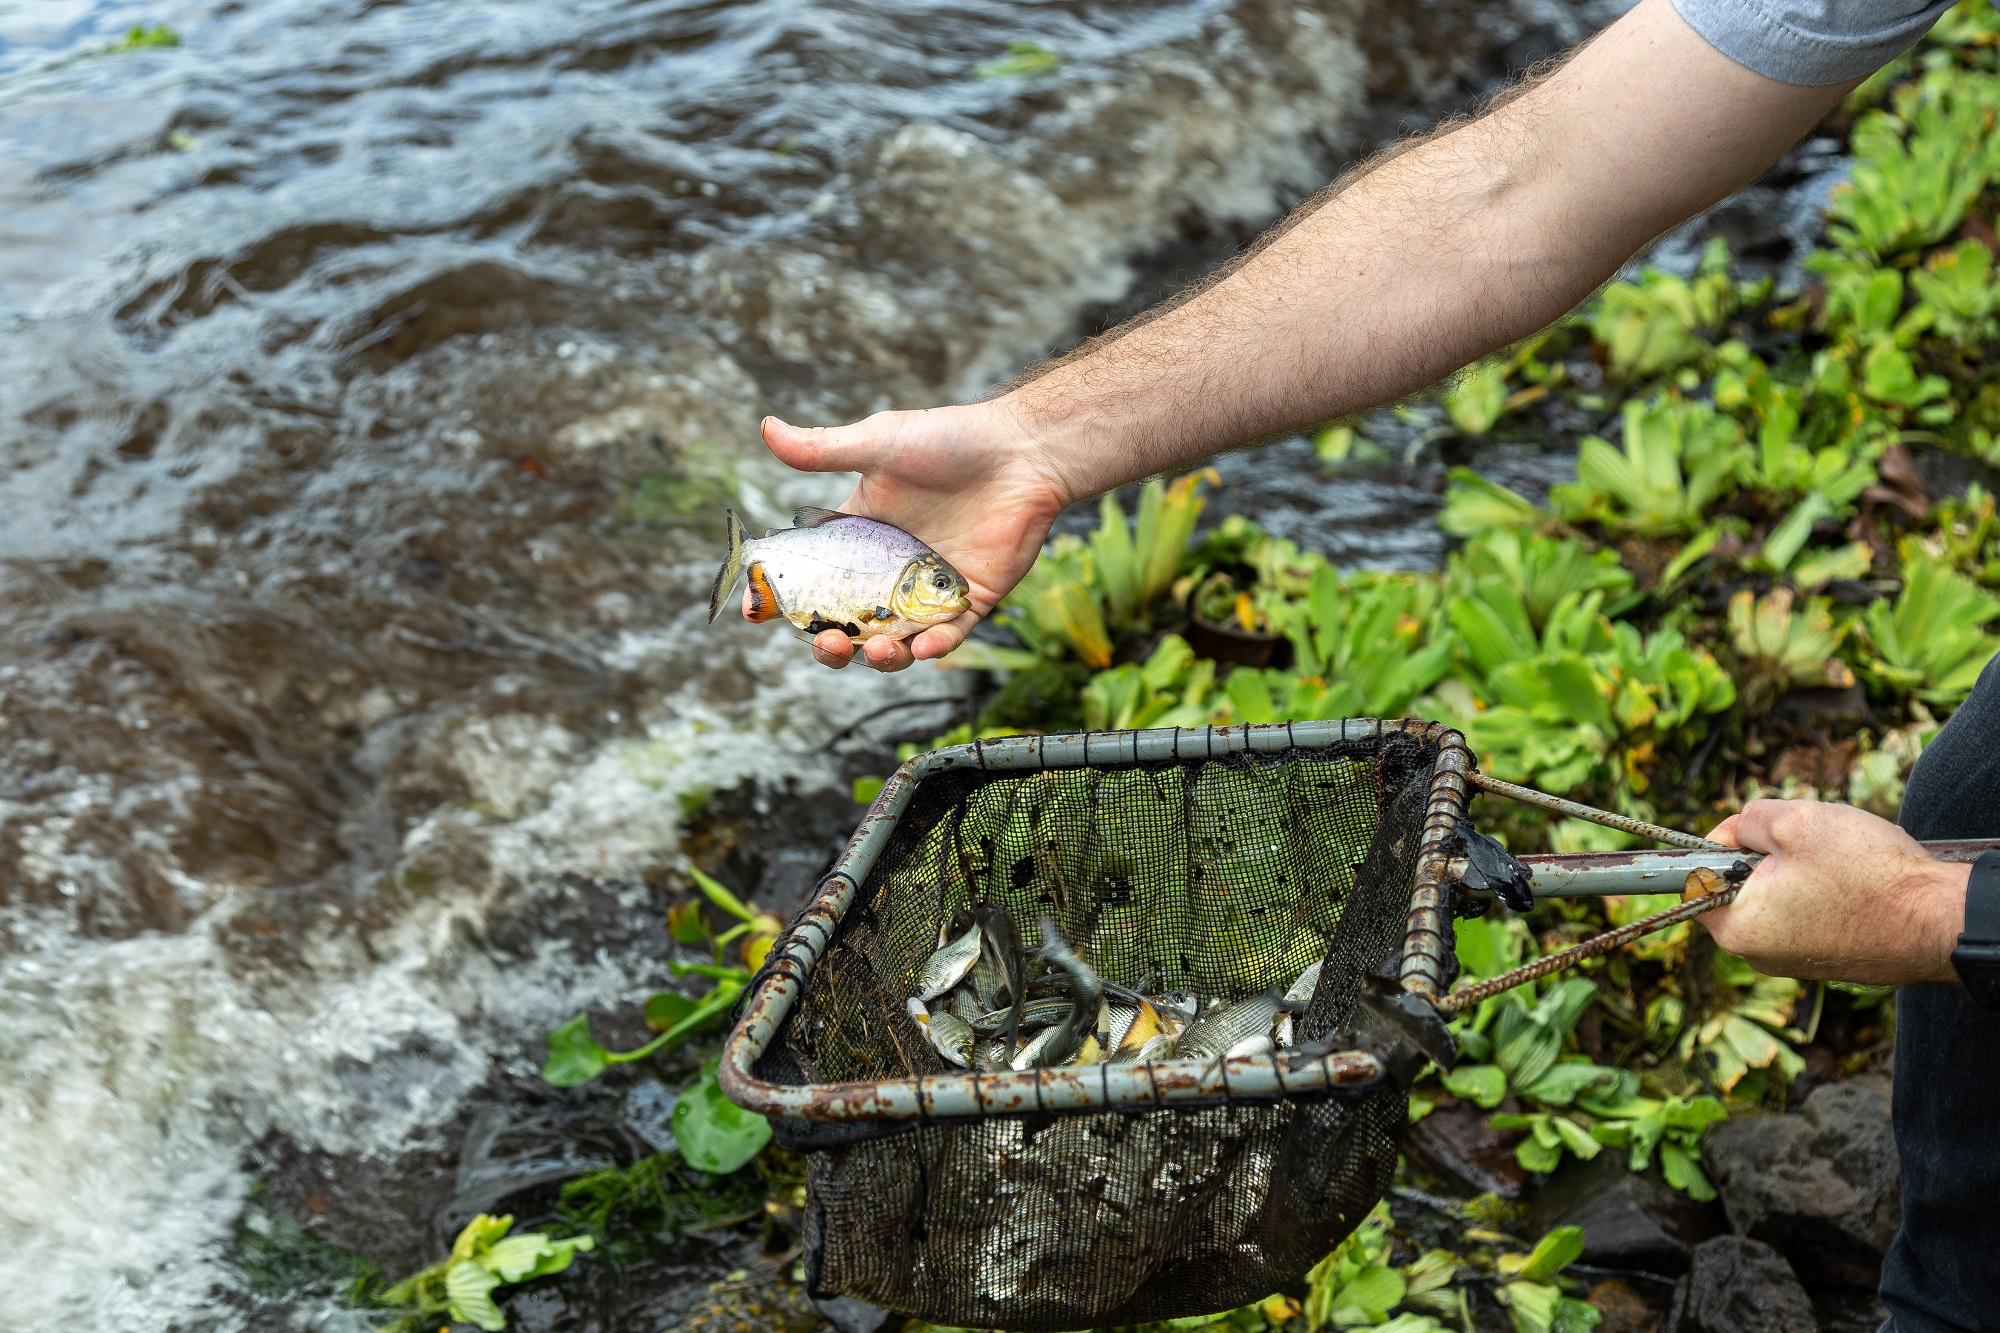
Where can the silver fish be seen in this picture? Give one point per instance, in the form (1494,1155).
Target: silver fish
(1086,995)
(1301,990)
(841,571)
(1038,1053)
(1184,1005)
(1034,1014)
(1221,1027)
(951,1038)
(948,966)
(965,1006)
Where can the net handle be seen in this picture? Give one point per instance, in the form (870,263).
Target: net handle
(1460,1000)
(1709,882)
(1576,810)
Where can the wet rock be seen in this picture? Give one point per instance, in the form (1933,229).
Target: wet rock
(751,1303)
(1848,1310)
(1736,1285)
(1630,1219)
(848,1315)
(1456,1143)
(1621,1309)
(1823,1186)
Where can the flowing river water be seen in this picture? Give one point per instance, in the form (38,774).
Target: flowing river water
(371,379)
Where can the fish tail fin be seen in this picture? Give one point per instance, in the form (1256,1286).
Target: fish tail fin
(732,566)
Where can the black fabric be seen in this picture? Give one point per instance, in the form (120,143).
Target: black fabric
(1942,1275)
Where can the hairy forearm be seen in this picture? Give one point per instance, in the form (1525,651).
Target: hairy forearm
(1430,260)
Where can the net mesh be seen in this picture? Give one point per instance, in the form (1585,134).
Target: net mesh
(1220,876)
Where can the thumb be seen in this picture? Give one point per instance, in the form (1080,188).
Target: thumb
(853,448)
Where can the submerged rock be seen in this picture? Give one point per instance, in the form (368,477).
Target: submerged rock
(1737,1285)
(1823,1186)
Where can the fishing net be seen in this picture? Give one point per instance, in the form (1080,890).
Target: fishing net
(1220,862)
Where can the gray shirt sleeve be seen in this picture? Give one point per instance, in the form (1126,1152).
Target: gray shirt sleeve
(1812,42)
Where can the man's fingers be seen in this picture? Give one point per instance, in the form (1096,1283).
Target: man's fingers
(833,649)
(940,639)
(1725,833)
(824,448)
(886,654)
(1757,825)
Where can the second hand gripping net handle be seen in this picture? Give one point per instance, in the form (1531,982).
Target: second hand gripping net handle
(1705,891)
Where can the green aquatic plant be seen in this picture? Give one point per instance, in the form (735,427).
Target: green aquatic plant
(1055,608)
(1172,688)
(1916,170)
(1474,504)
(1662,322)
(1370,643)
(1136,565)
(575,1056)
(1541,571)
(145,37)
(659,1199)
(712,1133)
(1355,1285)
(1677,458)
(1533,1296)
(1476,397)
(1785,464)
(1024,60)
(483,1259)
(1669,1127)
(1745,1027)
(1782,648)
(1587,703)
(1956,290)
(1931,641)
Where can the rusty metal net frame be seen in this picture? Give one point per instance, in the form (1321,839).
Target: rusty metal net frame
(1064,1197)
(1422,959)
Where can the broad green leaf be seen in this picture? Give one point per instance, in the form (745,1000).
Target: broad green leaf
(1552,1253)
(574,1055)
(470,1290)
(1564,1081)
(1472,505)
(867,789)
(1530,1305)
(1575,1137)
(1483,1085)
(666,1008)
(1684,1172)
(1536,1156)
(714,1134)
(1368,1296)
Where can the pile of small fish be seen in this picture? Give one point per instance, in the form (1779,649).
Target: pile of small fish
(984,1005)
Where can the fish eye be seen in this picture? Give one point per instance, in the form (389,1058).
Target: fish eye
(940,581)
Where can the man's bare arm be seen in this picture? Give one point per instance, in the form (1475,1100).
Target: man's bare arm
(1435,257)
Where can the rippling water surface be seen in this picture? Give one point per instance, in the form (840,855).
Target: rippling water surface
(371,377)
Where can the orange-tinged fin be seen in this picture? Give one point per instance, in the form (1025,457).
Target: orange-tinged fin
(763,601)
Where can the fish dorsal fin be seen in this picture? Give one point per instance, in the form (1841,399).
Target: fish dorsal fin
(812,517)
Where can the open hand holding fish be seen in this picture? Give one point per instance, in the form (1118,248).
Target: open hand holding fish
(841,571)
